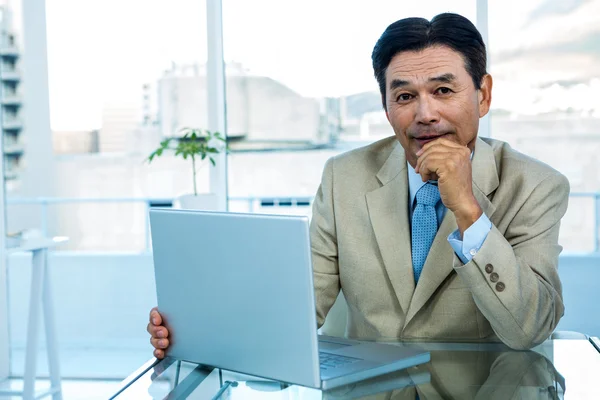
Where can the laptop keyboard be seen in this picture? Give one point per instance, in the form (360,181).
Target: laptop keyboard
(329,361)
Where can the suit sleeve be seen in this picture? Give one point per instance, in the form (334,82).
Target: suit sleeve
(513,375)
(324,246)
(514,276)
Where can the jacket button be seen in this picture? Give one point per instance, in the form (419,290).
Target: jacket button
(500,286)
(494,277)
(489,268)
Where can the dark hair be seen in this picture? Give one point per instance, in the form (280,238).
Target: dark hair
(416,34)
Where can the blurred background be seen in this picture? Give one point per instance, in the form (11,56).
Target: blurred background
(87,96)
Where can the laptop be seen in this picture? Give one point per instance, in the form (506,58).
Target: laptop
(236,293)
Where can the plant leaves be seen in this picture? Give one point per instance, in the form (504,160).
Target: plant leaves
(192,142)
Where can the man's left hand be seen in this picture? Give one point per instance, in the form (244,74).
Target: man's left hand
(450,164)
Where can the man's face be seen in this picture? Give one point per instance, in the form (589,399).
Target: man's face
(430,94)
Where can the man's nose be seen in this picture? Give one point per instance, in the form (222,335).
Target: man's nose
(426,111)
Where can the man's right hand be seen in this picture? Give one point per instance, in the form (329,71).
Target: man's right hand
(159,334)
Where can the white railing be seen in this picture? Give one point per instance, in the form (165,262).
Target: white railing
(251,204)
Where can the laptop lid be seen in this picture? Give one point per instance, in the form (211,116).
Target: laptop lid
(236,292)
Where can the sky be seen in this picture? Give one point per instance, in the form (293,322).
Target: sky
(103,51)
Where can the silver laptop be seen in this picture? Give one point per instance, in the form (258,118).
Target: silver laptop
(236,292)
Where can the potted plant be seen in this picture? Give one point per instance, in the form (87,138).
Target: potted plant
(196,145)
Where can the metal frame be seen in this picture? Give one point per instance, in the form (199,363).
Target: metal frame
(40,304)
(36,74)
(4,332)
(596,343)
(482,23)
(252,203)
(36,177)
(215,78)
(148,365)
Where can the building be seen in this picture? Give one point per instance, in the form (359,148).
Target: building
(258,108)
(75,142)
(120,120)
(11,101)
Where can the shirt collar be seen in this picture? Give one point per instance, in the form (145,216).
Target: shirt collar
(414,184)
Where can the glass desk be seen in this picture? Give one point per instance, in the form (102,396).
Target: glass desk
(557,369)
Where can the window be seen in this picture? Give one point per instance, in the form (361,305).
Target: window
(108,69)
(300,89)
(544,60)
(126,74)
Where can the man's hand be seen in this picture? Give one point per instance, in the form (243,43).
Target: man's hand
(158,333)
(450,164)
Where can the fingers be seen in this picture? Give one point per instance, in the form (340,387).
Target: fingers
(157,331)
(159,344)
(440,150)
(443,144)
(440,142)
(428,162)
(433,152)
(155,317)
(436,165)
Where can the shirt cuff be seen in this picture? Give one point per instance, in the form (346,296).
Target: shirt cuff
(473,239)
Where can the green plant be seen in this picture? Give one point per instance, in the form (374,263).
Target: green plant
(194,144)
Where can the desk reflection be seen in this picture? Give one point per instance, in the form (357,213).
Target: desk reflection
(464,375)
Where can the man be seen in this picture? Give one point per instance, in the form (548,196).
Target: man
(436,234)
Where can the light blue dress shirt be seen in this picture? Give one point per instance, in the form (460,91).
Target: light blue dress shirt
(473,237)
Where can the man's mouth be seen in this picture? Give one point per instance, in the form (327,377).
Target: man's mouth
(423,139)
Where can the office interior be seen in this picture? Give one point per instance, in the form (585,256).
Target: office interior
(89,90)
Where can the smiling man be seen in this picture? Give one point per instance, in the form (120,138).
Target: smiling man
(434,233)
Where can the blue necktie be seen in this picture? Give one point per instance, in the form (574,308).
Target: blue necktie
(424,226)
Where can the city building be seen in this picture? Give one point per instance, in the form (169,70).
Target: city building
(75,142)
(258,108)
(11,100)
(119,120)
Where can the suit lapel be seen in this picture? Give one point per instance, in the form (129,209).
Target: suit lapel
(485,176)
(388,212)
(439,262)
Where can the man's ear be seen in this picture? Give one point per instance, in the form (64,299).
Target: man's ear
(485,95)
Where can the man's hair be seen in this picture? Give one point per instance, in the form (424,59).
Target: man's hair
(416,34)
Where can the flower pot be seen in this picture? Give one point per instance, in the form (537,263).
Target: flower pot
(203,201)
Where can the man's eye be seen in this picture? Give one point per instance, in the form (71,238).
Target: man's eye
(444,90)
(404,97)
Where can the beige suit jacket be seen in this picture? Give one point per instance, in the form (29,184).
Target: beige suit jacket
(360,237)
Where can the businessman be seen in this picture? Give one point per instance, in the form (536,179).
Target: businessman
(434,233)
